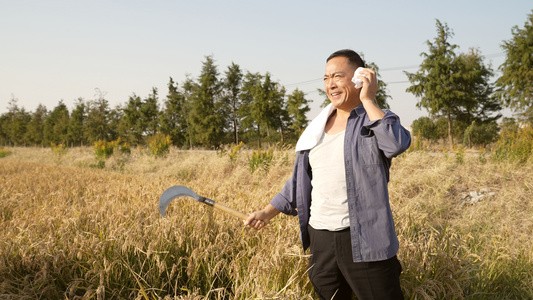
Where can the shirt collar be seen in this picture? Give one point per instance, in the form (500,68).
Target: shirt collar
(359,110)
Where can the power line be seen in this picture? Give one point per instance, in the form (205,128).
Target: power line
(491,55)
(304,82)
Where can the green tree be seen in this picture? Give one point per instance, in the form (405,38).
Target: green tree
(34,134)
(426,128)
(130,126)
(113,122)
(250,91)
(76,132)
(454,86)
(480,134)
(514,87)
(433,82)
(97,124)
(474,89)
(56,125)
(298,107)
(173,119)
(322,93)
(479,110)
(206,123)
(231,99)
(18,119)
(187,90)
(150,114)
(263,106)
(4,128)
(271,106)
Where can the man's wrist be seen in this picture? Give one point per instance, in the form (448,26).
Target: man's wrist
(366,102)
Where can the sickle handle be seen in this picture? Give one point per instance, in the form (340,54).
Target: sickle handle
(225,208)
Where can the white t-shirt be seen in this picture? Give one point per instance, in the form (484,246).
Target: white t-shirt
(329,204)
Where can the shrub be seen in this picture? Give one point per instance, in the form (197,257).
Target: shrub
(234,151)
(104,149)
(480,133)
(99,165)
(514,144)
(58,149)
(125,148)
(4,153)
(159,144)
(261,158)
(459,154)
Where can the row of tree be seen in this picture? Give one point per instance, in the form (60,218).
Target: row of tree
(205,112)
(455,89)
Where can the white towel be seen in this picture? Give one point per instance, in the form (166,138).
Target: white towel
(312,134)
(358,82)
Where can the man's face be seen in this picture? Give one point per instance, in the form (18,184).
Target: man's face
(338,83)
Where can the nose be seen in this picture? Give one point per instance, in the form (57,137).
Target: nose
(329,83)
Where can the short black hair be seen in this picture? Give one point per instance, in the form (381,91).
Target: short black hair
(352,56)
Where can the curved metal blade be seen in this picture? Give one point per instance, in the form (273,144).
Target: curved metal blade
(175,192)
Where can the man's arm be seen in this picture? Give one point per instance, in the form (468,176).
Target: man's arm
(368,94)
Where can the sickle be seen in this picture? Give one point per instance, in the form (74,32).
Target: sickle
(181,191)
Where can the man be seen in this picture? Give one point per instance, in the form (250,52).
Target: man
(339,188)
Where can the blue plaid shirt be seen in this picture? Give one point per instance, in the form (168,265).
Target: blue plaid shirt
(369,147)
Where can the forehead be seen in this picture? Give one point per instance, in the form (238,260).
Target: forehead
(338,64)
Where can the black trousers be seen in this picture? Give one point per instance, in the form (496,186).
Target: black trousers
(334,275)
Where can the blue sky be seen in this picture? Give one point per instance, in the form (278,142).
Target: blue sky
(64,50)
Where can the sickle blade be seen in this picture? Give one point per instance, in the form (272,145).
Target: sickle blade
(175,192)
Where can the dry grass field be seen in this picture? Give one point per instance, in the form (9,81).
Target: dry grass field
(72,231)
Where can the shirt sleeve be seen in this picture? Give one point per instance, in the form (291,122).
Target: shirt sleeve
(393,139)
(285,201)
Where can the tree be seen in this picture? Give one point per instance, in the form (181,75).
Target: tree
(130,127)
(56,125)
(433,81)
(97,125)
(113,121)
(34,134)
(478,109)
(188,87)
(322,93)
(150,114)
(480,134)
(76,132)
(270,106)
(263,106)
(173,119)
(4,127)
(206,123)
(232,90)
(514,87)
(297,107)
(426,128)
(454,86)
(17,122)
(251,90)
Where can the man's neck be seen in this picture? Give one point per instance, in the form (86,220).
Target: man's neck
(337,122)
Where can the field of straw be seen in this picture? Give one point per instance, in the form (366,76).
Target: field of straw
(69,230)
